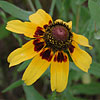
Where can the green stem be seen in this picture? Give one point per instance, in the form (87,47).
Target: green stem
(31,5)
(77,19)
(52,7)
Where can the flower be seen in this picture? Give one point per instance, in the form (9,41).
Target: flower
(49,45)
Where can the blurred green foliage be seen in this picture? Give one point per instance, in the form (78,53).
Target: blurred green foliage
(85,15)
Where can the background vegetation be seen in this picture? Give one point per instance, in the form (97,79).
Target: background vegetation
(85,15)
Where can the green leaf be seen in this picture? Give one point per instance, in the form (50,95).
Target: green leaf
(61,9)
(31,93)
(90,29)
(14,11)
(38,4)
(74,7)
(23,65)
(66,6)
(13,85)
(83,24)
(90,89)
(52,7)
(3,32)
(75,4)
(94,8)
(59,6)
(3,16)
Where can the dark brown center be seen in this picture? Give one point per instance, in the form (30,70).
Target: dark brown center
(58,36)
(60,32)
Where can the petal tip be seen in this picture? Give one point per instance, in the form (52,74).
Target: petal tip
(61,90)
(52,89)
(70,23)
(90,48)
(7,26)
(85,70)
(10,65)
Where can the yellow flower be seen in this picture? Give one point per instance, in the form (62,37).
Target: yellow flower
(49,44)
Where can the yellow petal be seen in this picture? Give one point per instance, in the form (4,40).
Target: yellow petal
(69,24)
(59,73)
(26,28)
(81,58)
(40,18)
(80,39)
(36,68)
(21,54)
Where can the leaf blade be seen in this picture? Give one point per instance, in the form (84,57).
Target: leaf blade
(90,89)
(31,93)
(23,66)
(14,10)
(13,85)
(94,8)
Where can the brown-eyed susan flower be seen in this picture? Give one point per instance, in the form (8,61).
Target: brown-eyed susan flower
(49,45)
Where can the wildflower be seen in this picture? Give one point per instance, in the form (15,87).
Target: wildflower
(49,45)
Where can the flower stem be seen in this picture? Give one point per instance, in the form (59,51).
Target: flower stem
(31,5)
(77,18)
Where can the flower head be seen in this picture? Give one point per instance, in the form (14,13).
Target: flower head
(49,44)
